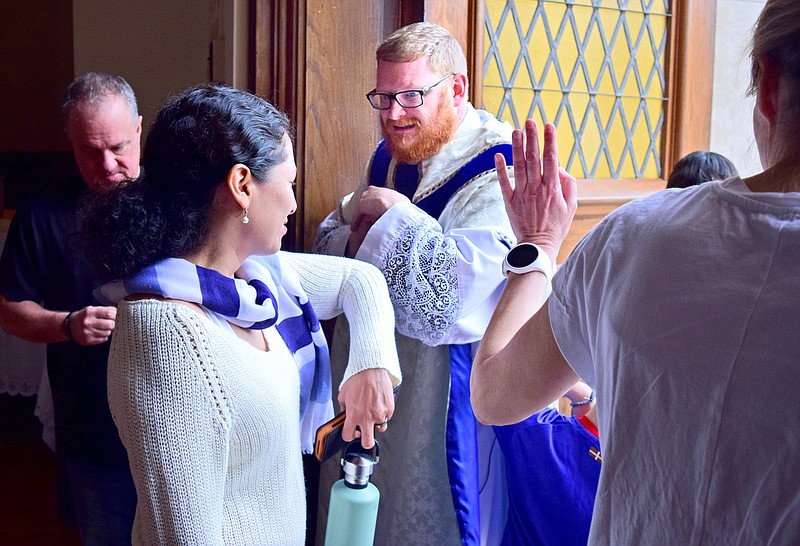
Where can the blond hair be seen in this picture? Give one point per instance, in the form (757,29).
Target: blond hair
(417,40)
(776,41)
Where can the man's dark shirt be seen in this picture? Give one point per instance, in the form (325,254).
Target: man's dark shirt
(42,261)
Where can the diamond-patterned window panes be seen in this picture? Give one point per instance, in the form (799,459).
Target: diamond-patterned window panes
(594,68)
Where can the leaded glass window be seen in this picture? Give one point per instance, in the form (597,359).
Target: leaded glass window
(594,68)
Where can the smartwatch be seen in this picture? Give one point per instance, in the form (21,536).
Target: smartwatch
(527,257)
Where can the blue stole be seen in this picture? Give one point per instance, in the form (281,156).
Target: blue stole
(433,201)
(462,456)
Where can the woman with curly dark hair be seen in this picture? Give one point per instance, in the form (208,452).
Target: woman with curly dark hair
(218,373)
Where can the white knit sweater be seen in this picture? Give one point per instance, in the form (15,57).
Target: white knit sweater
(211,424)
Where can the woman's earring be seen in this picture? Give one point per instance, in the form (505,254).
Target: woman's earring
(245,219)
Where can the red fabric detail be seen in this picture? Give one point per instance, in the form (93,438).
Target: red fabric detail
(588,425)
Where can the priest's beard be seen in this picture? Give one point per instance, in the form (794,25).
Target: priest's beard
(432,135)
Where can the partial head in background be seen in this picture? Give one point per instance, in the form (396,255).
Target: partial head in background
(212,153)
(775,81)
(421,90)
(698,167)
(103,124)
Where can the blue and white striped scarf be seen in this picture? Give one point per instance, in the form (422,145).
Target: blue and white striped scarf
(262,294)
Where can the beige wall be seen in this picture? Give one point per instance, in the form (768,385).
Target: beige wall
(35,66)
(159,47)
(732,110)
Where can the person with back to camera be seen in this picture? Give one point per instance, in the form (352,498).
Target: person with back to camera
(46,297)
(698,167)
(218,369)
(429,214)
(682,310)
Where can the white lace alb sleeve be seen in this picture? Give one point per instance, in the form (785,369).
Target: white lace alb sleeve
(444,284)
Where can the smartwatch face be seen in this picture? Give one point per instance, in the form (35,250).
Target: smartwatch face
(522,255)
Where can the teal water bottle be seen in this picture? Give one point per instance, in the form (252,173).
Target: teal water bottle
(353,508)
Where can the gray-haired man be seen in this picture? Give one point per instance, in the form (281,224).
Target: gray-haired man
(46,297)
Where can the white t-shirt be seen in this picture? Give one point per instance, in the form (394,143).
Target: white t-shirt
(683,310)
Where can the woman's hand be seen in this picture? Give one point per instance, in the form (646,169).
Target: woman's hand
(368,399)
(542,200)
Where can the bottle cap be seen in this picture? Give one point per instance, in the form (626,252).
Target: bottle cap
(357,469)
(358,463)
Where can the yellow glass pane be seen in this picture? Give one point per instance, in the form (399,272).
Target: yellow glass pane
(568,149)
(492,97)
(538,45)
(656,108)
(645,61)
(629,37)
(507,115)
(509,46)
(551,104)
(495,8)
(658,7)
(615,58)
(525,15)
(491,76)
(594,52)
(654,88)
(652,169)
(591,139)
(566,145)
(523,102)
(523,78)
(630,107)
(568,49)
(648,131)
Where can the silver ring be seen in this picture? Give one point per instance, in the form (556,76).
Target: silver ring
(384,424)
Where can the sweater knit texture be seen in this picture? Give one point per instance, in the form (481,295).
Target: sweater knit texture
(211,424)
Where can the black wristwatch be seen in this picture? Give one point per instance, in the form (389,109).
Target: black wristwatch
(527,257)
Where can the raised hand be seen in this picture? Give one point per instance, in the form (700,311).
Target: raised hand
(542,199)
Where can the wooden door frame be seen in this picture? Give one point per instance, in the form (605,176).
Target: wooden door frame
(315,64)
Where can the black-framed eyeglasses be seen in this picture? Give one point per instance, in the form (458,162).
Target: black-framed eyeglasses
(410,98)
